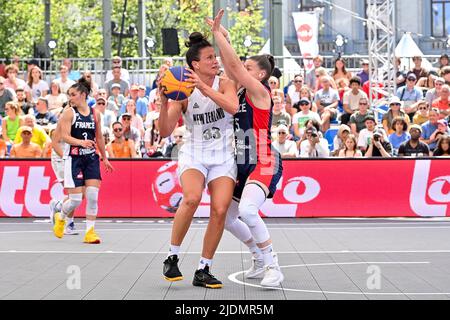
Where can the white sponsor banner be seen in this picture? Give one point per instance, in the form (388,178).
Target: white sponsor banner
(307,28)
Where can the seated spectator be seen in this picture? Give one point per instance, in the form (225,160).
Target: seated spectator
(443,146)
(136,120)
(401,73)
(410,95)
(153,142)
(87,75)
(400,134)
(393,112)
(73,74)
(141,105)
(120,147)
(364,73)
(63,80)
(48,147)
(44,118)
(130,132)
(414,147)
(174,147)
(427,83)
(445,73)
(273,83)
(351,99)
(116,97)
(153,112)
(418,70)
(366,135)
(442,128)
(320,74)
(429,128)
(339,140)
(434,93)
(6,95)
(12,122)
(293,95)
(12,82)
(279,116)
(421,115)
(39,135)
(124,85)
(26,148)
(378,146)
(55,99)
(327,100)
(305,92)
(314,146)
(302,116)
(343,85)
(141,94)
(36,85)
(286,148)
(443,102)
(357,119)
(340,71)
(124,74)
(349,149)
(310,79)
(107,116)
(443,62)
(110,104)
(3,148)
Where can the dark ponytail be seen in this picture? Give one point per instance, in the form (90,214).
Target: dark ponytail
(265,62)
(195,43)
(83,86)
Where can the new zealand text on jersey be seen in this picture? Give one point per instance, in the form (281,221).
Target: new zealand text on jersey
(208,117)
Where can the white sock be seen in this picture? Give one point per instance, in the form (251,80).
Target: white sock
(69,220)
(203,263)
(254,249)
(174,250)
(267,255)
(89,224)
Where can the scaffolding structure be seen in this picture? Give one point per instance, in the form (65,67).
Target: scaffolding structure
(381,26)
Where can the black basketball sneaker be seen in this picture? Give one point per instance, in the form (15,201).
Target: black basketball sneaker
(170,269)
(202,278)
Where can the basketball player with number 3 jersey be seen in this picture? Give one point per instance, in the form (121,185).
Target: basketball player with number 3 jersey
(206,157)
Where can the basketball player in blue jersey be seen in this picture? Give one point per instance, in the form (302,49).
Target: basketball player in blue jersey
(206,157)
(81,131)
(259,166)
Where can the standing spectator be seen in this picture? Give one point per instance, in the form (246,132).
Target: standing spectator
(364,73)
(401,73)
(55,99)
(35,84)
(313,146)
(393,112)
(327,100)
(26,148)
(351,99)
(400,134)
(273,83)
(73,74)
(366,135)
(429,128)
(286,148)
(141,105)
(107,116)
(300,118)
(350,150)
(44,118)
(340,71)
(120,147)
(418,71)
(339,139)
(378,146)
(26,107)
(293,95)
(357,120)
(5,96)
(64,81)
(12,82)
(434,93)
(421,115)
(414,147)
(124,74)
(110,104)
(124,85)
(174,147)
(311,78)
(279,116)
(410,95)
(443,102)
(12,122)
(39,136)
(130,132)
(443,147)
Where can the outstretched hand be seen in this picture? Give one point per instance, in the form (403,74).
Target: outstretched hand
(217,26)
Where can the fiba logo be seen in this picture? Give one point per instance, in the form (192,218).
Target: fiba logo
(435,191)
(166,188)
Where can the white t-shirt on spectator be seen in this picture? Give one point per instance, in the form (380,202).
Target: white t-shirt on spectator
(353,100)
(288,146)
(55,102)
(364,134)
(320,151)
(37,89)
(124,75)
(294,95)
(64,86)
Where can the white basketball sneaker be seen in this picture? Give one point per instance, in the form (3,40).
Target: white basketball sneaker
(273,276)
(256,271)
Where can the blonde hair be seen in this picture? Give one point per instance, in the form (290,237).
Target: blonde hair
(15,106)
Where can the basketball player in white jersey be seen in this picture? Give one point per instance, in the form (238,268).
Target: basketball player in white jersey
(206,158)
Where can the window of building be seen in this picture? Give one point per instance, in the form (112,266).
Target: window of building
(309,5)
(440,18)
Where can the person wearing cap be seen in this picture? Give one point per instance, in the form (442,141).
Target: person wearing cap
(26,148)
(43,116)
(357,119)
(314,146)
(124,85)
(293,93)
(286,148)
(442,128)
(418,70)
(107,116)
(364,73)
(443,102)
(414,147)
(6,95)
(141,104)
(116,97)
(63,80)
(141,93)
(40,137)
(378,145)
(394,111)
(310,79)
(110,104)
(410,95)
(130,132)
(351,99)
(366,134)
(339,139)
(435,92)
(302,116)
(124,74)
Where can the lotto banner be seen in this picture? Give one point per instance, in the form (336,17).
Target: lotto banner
(309,188)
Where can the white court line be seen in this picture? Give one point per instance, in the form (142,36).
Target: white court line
(225,252)
(233,278)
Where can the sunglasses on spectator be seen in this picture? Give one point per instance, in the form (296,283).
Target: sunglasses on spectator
(282,133)
(118,130)
(396,104)
(27,133)
(126,118)
(304,104)
(411,79)
(102,103)
(363,103)
(423,108)
(178,137)
(298,81)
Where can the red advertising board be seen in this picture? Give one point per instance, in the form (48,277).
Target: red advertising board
(309,188)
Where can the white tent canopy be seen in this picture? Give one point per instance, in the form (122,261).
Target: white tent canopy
(290,66)
(406,49)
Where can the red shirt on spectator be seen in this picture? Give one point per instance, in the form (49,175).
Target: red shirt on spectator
(441,104)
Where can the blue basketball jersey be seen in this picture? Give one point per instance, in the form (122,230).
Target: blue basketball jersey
(83,128)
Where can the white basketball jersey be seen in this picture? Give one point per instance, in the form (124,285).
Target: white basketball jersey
(209,128)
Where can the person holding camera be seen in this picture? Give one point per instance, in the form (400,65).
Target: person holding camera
(414,147)
(378,146)
(313,146)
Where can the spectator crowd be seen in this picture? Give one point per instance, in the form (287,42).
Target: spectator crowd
(318,114)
